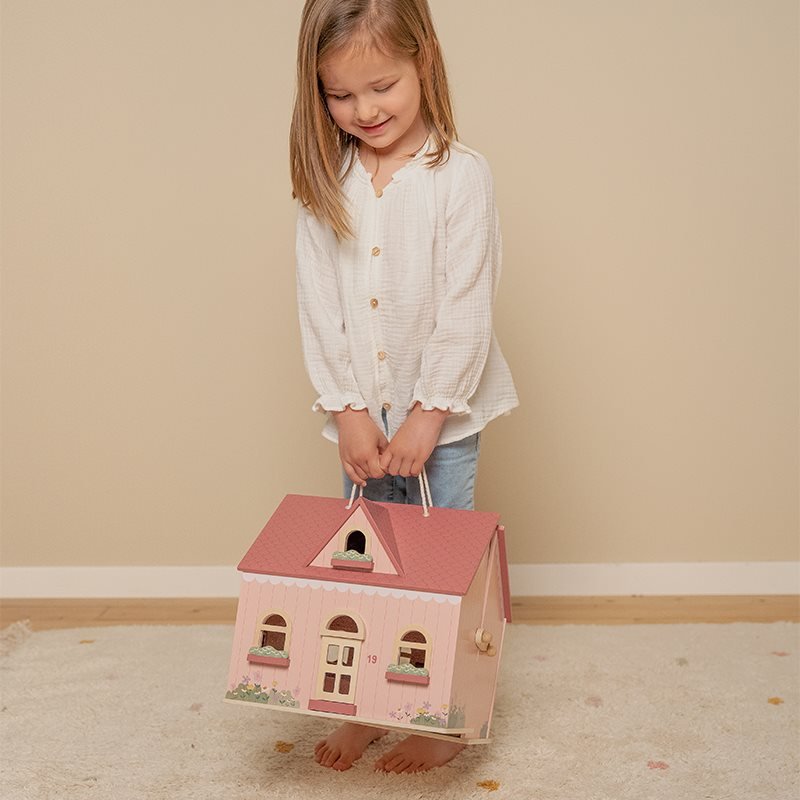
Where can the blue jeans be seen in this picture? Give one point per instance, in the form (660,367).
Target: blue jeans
(451,472)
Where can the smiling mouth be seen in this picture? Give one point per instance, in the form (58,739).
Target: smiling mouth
(374,128)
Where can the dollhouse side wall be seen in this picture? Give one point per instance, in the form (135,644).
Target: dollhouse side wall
(475,673)
(384,615)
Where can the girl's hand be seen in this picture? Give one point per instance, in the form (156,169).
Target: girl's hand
(360,445)
(412,445)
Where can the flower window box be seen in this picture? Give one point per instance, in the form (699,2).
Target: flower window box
(269,656)
(405,673)
(352,559)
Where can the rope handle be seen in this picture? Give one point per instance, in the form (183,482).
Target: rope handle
(424,491)
(353,494)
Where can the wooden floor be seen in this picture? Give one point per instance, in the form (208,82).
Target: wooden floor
(47,614)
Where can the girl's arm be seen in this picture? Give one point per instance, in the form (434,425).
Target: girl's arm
(455,355)
(325,349)
(327,355)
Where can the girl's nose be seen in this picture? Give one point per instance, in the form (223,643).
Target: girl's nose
(366,112)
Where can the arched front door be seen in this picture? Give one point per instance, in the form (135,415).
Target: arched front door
(340,654)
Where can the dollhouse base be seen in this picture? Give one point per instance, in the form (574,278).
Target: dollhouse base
(461,735)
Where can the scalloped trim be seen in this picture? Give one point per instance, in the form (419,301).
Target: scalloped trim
(329,402)
(456,407)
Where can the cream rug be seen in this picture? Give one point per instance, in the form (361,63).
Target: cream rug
(680,712)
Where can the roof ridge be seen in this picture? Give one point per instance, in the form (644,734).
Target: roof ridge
(381,522)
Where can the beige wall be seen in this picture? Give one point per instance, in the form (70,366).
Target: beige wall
(155,407)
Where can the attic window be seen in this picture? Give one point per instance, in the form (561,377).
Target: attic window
(413,656)
(355,555)
(272,637)
(356,541)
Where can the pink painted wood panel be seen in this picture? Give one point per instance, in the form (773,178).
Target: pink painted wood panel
(399,677)
(268,660)
(355,566)
(475,673)
(385,616)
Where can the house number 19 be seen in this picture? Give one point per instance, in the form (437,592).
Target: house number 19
(372,659)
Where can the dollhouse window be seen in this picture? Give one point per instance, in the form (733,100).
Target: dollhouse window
(355,555)
(356,540)
(413,657)
(272,639)
(413,650)
(343,624)
(273,632)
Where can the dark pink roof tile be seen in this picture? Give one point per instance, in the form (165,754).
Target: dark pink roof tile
(439,553)
(382,524)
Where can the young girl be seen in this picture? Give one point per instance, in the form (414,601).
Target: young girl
(398,257)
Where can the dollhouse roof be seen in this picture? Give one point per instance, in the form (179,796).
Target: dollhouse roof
(439,553)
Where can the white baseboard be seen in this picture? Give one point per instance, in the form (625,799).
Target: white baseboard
(542,580)
(678,578)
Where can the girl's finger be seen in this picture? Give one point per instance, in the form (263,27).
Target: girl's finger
(353,475)
(362,473)
(395,465)
(375,469)
(405,467)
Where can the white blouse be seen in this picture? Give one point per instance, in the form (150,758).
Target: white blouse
(403,312)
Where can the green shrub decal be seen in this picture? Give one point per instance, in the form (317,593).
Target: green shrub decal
(407,669)
(255,693)
(271,652)
(351,555)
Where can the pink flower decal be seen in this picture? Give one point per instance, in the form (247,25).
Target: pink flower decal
(657,765)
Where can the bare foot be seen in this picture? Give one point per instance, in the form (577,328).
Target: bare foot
(345,745)
(417,754)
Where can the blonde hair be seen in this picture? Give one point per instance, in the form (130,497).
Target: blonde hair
(319,149)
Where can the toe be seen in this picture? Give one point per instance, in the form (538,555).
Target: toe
(391,761)
(341,764)
(330,758)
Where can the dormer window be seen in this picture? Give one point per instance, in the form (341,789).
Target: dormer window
(356,541)
(355,554)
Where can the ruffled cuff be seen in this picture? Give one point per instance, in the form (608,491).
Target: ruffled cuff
(338,402)
(455,405)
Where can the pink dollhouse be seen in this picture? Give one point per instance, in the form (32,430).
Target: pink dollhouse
(374,612)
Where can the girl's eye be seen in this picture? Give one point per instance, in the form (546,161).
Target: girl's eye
(338,96)
(385,88)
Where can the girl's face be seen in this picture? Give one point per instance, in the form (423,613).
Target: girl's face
(375,98)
